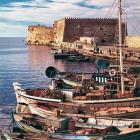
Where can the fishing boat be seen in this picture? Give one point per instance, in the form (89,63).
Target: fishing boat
(33,95)
(119,112)
(60,131)
(36,124)
(26,124)
(94,97)
(73,58)
(78,79)
(65,54)
(53,51)
(44,110)
(126,134)
(74,82)
(24,136)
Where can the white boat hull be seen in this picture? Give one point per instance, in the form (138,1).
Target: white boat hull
(22,97)
(72,83)
(40,112)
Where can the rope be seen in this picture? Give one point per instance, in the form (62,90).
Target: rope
(107,16)
(134,27)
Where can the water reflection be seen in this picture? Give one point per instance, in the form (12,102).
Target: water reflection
(40,57)
(27,64)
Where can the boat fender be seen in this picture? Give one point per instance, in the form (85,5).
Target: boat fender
(112,72)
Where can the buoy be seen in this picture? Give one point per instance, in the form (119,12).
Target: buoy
(112,72)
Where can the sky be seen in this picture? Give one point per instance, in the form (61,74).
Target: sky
(16,15)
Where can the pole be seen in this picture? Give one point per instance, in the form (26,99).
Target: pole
(120,45)
(125,29)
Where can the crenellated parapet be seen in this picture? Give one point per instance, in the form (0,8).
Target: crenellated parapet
(90,18)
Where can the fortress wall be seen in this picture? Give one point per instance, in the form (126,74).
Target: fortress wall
(39,35)
(71,29)
(59,27)
(74,28)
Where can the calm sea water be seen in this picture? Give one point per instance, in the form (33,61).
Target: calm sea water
(27,65)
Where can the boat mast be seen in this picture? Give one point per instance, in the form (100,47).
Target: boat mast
(120,45)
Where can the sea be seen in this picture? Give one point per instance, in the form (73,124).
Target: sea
(27,64)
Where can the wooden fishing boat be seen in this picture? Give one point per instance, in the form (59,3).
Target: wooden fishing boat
(26,124)
(95,79)
(103,122)
(81,134)
(126,134)
(119,112)
(87,99)
(25,136)
(72,82)
(44,110)
(36,124)
(65,54)
(33,95)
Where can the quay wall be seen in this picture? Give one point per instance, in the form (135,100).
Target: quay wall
(130,55)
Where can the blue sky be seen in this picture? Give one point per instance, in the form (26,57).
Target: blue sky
(16,15)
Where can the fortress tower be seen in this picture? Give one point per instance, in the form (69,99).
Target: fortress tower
(40,35)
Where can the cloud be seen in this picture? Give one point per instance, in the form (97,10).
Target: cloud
(28,12)
(12,30)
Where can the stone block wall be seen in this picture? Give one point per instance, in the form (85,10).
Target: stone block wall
(40,35)
(74,28)
(71,29)
(59,27)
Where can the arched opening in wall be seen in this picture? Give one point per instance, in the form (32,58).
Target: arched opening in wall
(51,41)
(36,42)
(103,41)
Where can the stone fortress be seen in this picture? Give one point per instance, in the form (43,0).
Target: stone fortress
(104,31)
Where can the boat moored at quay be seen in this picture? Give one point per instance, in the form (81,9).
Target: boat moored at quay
(94,98)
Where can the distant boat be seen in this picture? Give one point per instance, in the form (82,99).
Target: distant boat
(53,51)
(73,58)
(65,54)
